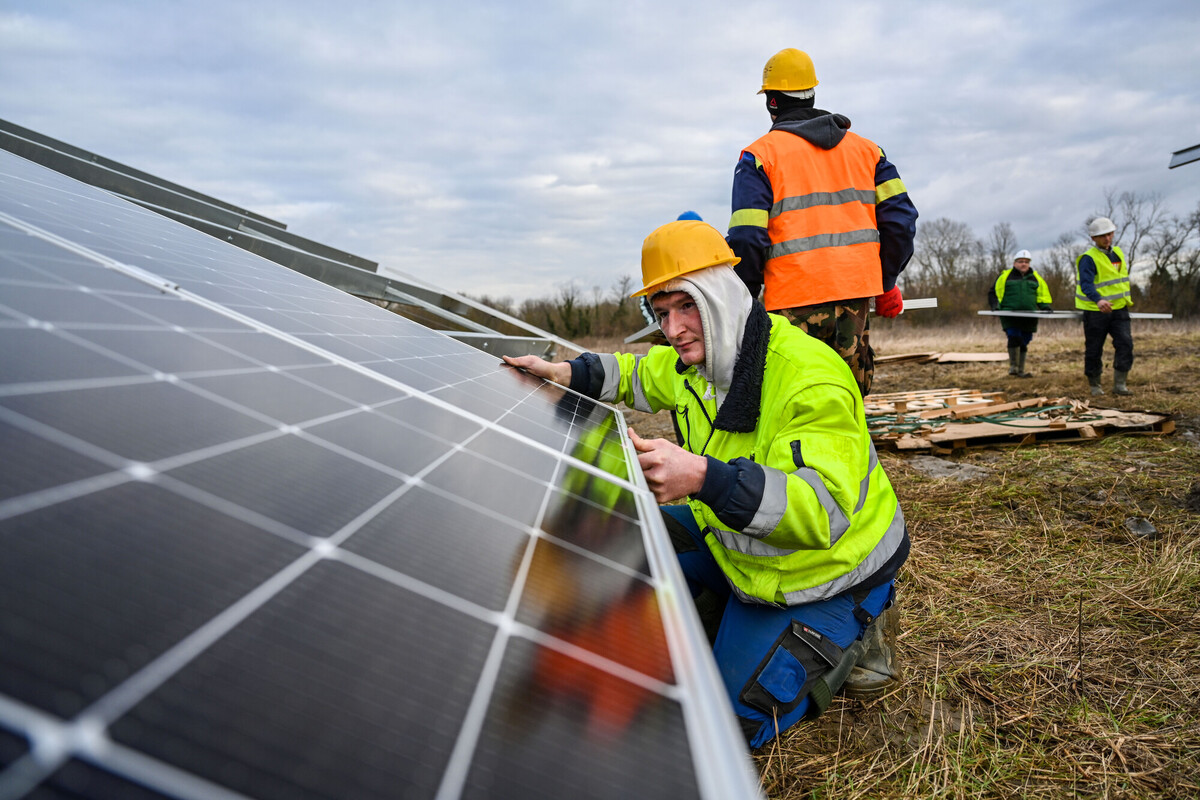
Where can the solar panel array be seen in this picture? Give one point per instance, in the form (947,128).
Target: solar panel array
(260,538)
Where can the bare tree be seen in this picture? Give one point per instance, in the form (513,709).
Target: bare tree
(1001,245)
(1173,253)
(1058,268)
(945,251)
(1136,217)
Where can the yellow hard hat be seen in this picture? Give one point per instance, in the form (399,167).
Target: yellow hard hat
(678,248)
(789,70)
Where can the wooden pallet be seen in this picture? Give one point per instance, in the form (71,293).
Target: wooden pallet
(927,400)
(1026,430)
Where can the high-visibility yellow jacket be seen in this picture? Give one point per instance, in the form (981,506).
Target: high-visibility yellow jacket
(795,507)
(1111,280)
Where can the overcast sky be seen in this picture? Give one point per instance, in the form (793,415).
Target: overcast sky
(507,147)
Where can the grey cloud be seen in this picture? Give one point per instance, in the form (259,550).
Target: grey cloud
(507,148)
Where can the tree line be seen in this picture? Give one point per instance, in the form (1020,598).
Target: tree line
(954,265)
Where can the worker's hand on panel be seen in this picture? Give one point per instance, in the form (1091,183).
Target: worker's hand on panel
(671,472)
(557,371)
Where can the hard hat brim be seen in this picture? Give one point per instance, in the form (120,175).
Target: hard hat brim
(648,290)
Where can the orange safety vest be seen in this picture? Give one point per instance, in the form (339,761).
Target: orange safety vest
(824,239)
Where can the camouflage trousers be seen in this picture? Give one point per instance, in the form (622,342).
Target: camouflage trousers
(846,327)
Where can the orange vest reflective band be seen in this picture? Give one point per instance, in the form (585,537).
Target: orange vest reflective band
(824,240)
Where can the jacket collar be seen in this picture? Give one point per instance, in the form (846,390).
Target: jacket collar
(741,408)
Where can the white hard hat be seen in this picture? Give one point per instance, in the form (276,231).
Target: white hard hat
(1100,226)
(1023,254)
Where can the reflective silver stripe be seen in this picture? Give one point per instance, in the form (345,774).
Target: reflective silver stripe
(772,506)
(1080,295)
(883,551)
(747,545)
(640,403)
(1110,283)
(612,377)
(839,523)
(815,199)
(806,243)
(865,485)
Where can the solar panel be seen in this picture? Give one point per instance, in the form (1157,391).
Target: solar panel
(262,539)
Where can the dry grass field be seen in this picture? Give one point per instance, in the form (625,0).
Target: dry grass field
(1048,651)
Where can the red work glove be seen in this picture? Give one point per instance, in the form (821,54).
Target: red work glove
(890,303)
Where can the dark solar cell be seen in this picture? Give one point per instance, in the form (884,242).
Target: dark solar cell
(374,678)
(140,421)
(501,489)
(12,747)
(579,731)
(106,582)
(597,529)
(76,780)
(307,487)
(274,395)
(31,355)
(422,415)
(458,549)
(504,449)
(567,594)
(381,439)
(264,348)
(40,464)
(421,374)
(66,304)
(347,383)
(173,310)
(166,350)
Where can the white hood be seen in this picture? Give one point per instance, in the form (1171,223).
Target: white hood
(724,304)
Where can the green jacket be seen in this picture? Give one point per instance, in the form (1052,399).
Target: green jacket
(795,507)
(1016,292)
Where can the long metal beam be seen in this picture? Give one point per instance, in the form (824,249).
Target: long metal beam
(1066,314)
(648,333)
(1185,156)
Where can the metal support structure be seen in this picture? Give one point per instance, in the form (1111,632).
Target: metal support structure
(1184,156)
(497,332)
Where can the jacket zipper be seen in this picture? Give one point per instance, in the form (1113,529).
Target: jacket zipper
(704,411)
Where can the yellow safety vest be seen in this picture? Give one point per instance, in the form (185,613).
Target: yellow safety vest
(1112,280)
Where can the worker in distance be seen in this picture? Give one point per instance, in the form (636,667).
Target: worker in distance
(789,533)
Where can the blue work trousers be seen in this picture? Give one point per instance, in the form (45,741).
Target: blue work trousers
(761,650)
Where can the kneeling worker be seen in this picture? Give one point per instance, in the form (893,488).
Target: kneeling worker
(791,535)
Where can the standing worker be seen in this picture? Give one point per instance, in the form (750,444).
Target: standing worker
(1102,293)
(791,535)
(1019,288)
(821,217)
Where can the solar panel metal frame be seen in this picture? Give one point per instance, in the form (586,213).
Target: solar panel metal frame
(271,239)
(1185,156)
(717,749)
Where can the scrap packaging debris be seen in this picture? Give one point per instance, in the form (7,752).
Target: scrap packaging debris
(943,420)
